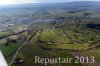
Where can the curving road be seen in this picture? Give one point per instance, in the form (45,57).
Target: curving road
(22,46)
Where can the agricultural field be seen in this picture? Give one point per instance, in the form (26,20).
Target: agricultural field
(50,30)
(37,51)
(53,40)
(10,44)
(94,53)
(2,34)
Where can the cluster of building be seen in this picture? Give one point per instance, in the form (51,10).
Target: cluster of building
(2,29)
(24,19)
(5,26)
(24,27)
(94,16)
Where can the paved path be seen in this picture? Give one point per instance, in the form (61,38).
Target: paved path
(22,46)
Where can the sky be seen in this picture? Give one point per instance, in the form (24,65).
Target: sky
(6,2)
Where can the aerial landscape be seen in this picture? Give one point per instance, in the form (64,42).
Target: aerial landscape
(44,33)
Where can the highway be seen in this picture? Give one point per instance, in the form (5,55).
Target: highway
(13,34)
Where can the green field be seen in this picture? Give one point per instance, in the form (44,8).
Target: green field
(62,29)
(93,53)
(53,40)
(2,34)
(29,51)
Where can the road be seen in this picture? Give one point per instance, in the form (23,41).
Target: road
(13,34)
(21,47)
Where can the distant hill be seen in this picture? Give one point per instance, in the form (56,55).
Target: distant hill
(82,3)
(79,5)
(67,4)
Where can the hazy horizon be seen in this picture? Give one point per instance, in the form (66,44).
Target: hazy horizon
(8,2)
